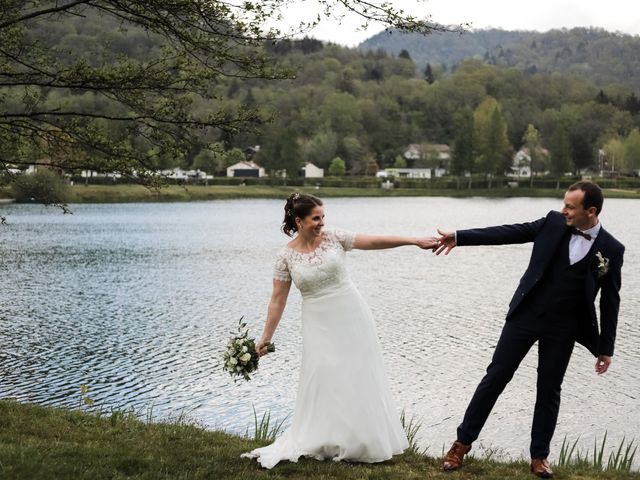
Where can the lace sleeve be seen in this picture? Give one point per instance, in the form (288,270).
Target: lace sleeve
(344,238)
(281,269)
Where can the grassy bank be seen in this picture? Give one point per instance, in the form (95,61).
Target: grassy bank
(174,193)
(51,443)
(137,193)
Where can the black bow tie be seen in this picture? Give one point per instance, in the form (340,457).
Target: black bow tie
(575,231)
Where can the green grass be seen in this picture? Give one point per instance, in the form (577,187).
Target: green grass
(173,193)
(620,459)
(52,443)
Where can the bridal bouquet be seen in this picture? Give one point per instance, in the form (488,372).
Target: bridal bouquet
(241,357)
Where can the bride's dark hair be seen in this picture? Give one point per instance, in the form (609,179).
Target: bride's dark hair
(299,205)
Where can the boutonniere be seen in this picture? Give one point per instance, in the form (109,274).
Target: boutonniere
(603,264)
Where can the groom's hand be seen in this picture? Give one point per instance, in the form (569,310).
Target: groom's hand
(602,364)
(447,242)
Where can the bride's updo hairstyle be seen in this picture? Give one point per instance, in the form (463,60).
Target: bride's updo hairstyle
(299,205)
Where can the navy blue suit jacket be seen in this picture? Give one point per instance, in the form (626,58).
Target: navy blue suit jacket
(546,234)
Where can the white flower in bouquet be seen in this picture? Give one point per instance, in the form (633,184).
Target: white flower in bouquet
(241,358)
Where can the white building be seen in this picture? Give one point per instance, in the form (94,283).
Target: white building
(521,165)
(186,175)
(405,172)
(95,174)
(428,151)
(436,155)
(246,169)
(309,170)
(30,170)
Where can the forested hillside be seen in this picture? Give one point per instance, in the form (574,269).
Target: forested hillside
(603,57)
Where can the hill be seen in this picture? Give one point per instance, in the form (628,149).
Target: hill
(603,57)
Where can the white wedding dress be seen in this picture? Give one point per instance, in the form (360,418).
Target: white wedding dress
(344,407)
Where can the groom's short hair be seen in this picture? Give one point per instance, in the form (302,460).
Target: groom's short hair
(592,195)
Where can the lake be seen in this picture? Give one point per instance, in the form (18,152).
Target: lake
(137,301)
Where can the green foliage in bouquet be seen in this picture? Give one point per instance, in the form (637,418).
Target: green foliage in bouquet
(241,358)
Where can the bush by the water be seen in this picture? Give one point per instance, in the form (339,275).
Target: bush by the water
(44,186)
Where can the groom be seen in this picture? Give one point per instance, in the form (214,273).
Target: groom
(573,257)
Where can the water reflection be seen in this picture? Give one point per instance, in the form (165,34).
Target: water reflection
(137,300)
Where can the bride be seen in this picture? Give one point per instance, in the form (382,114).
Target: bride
(344,408)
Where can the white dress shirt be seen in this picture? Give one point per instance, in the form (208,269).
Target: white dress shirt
(580,246)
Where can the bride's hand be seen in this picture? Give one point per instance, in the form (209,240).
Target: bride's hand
(261,348)
(428,243)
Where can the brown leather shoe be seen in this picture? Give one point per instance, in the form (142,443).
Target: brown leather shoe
(541,468)
(455,455)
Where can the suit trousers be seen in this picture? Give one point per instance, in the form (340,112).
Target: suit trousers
(555,344)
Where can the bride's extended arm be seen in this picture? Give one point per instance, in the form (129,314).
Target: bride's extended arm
(378,242)
(274,313)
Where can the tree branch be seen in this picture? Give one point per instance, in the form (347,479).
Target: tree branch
(47,11)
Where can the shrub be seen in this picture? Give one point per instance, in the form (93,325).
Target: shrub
(44,186)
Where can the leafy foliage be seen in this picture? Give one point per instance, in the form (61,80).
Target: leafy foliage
(337,167)
(44,186)
(129,86)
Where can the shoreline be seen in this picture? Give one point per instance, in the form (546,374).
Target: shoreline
(128,193)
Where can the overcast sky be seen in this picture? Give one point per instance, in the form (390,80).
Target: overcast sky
(540,15)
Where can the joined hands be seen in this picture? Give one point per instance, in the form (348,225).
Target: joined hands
(446,242)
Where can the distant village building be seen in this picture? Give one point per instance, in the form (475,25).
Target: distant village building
(186,175)
(246,169)
(95,174)
(405,172)
(30,170)
(521,165)
(309,170)
(428,151)
(436,156)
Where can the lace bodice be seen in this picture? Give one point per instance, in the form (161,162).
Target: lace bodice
(314,271)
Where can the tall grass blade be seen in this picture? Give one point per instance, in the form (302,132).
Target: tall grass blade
(567,452)
(619,460)
(599,454)
(622,462)
(411,429)
(264,431)
(614,459)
